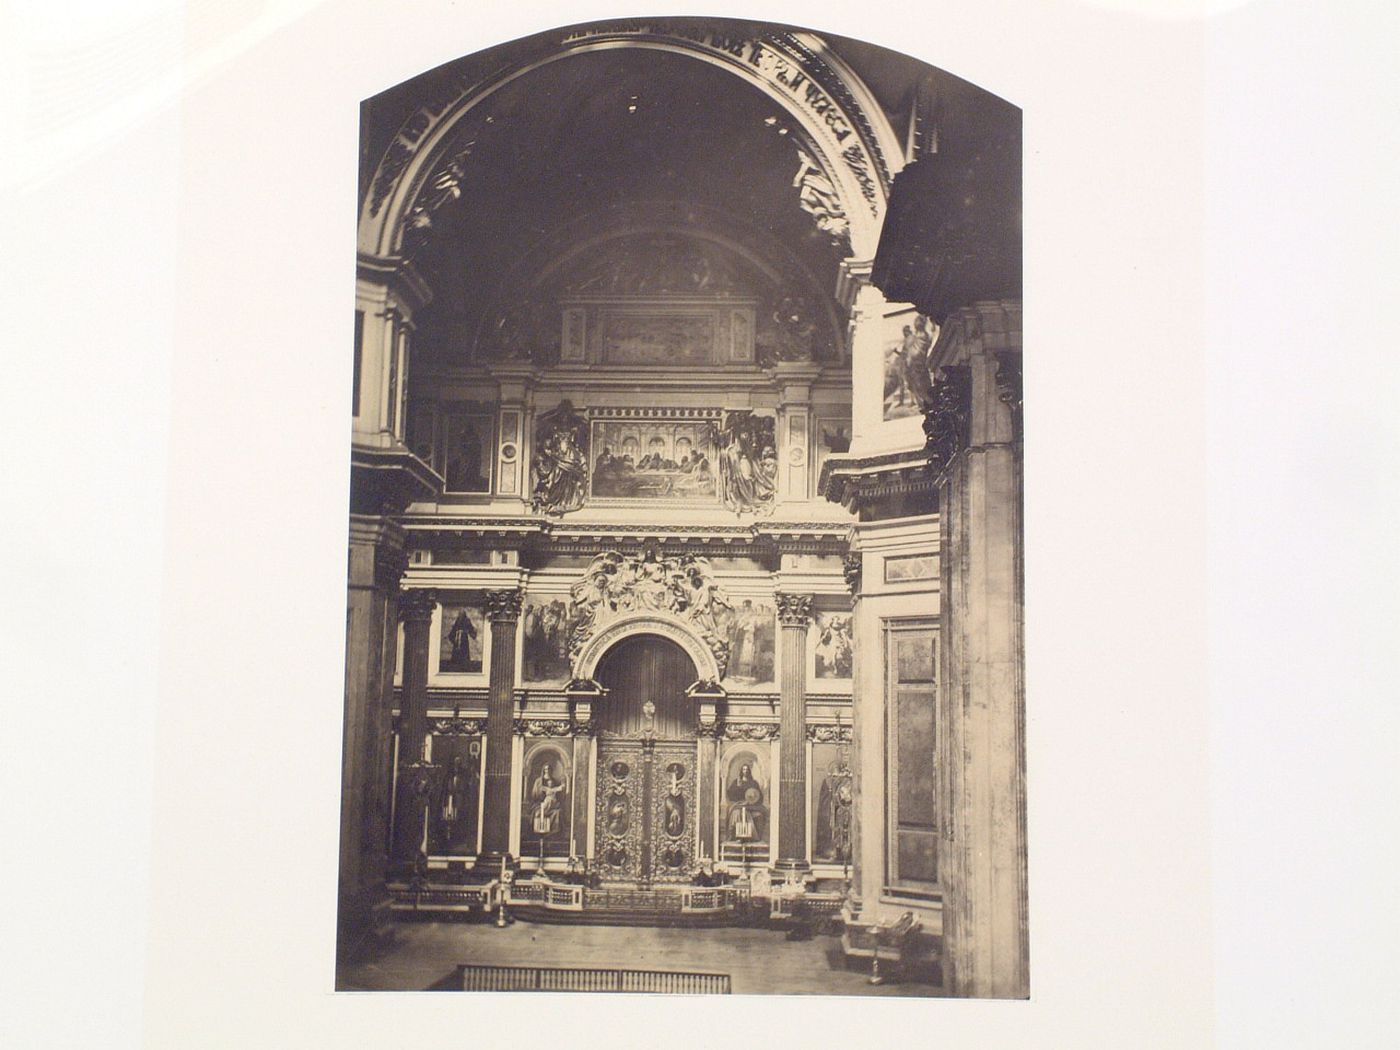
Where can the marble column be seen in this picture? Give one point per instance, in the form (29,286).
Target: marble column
(503,610)
(794,619)
(377,562)
(975,432)
(414,781)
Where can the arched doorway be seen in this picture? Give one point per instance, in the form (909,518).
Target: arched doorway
(647,786)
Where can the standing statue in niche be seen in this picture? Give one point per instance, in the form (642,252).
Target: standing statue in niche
(559,469)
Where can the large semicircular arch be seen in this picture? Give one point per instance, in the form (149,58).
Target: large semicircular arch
(428,133)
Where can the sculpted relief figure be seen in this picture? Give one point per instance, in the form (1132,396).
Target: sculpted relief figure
(559,468)
(684,586)
(748,463)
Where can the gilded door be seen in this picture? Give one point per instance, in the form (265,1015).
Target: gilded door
(645,817)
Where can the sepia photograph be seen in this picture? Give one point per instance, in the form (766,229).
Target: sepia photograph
(685,347)
(627,575)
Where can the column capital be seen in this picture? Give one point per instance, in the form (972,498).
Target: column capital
(416,605)
(794,610)
(504,606)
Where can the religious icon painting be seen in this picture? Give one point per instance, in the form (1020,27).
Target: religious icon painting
(467,450)
(545,627)
(463,638)
(545,810)
(832,634)
(452,824)
(752,634)
(833,800)
(745,797)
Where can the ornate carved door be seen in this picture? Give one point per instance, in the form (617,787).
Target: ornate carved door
(646,809)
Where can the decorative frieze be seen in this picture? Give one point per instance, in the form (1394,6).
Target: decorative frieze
(750,730)
(457,726)
(829,734)
(543,727)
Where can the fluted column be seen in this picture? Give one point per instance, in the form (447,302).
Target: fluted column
(414,782)
(503,610)
(794,618)
(416,609)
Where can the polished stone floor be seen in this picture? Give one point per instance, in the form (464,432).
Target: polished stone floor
(424,954)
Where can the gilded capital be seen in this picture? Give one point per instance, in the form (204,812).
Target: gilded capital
(794,610)
(502,606)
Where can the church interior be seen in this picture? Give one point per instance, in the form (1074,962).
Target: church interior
(684,615)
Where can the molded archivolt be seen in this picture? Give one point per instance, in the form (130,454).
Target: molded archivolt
(654,622)
(841,125)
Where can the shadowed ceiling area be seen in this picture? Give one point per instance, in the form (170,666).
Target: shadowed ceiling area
(604,142)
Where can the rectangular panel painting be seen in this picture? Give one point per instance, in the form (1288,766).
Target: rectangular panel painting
(833,644)
(463,638)
(752,633)
(658,339)
(545,627)
(452,816)
(651,460)
(467,450)
(833,799)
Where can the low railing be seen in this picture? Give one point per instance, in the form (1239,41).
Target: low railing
(478,978)
(408,897)
(701,899)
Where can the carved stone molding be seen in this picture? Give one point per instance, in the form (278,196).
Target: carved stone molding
(504,606)
(709,730)
(794,610)
(851,567)
(829,734)
(750,730)
(417,604)
(389,564)
(1008,380)
(949,414)
(819,198)
(585,727)
(543,727)
(458,726)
